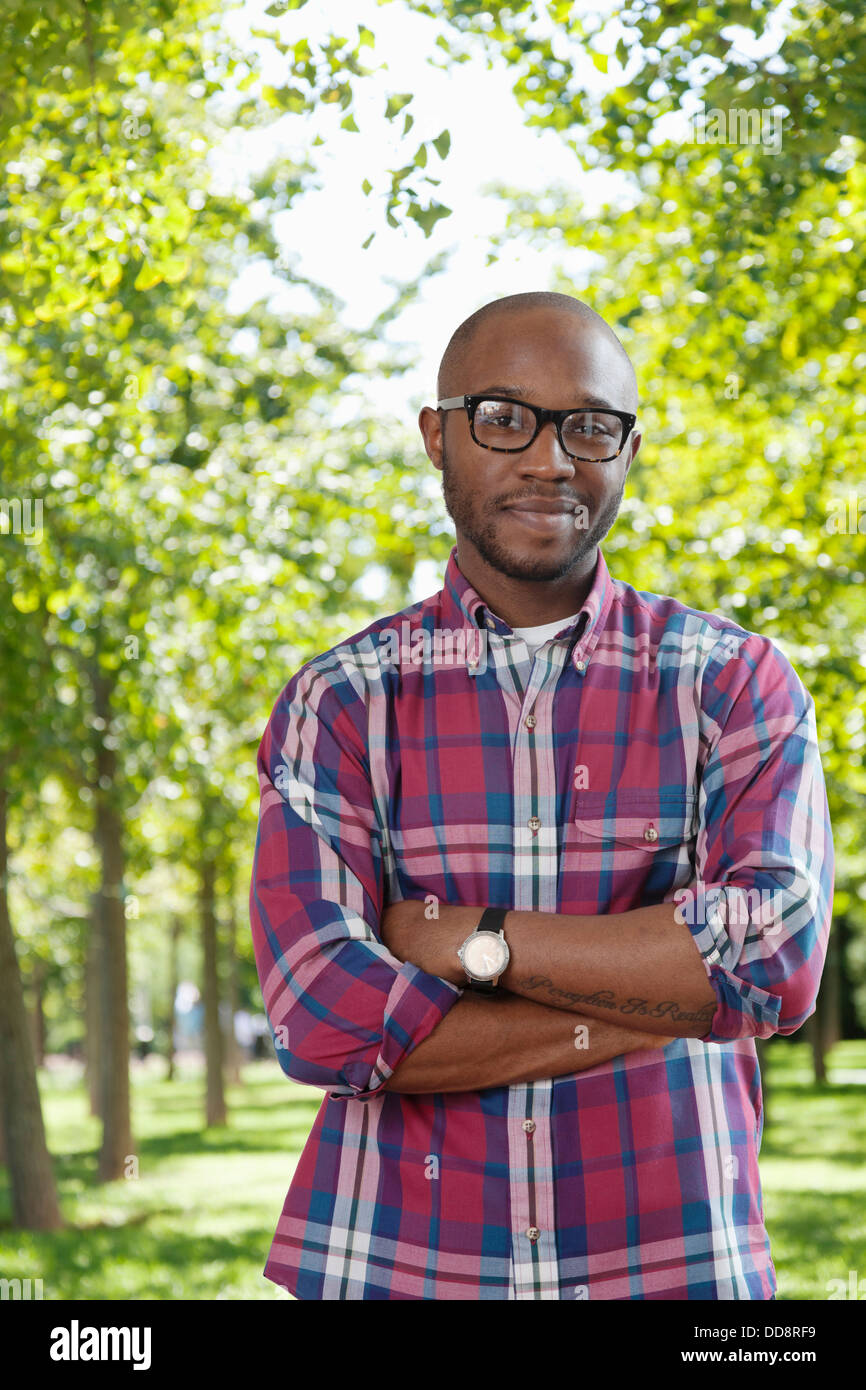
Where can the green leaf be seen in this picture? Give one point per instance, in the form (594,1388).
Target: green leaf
(396,104)
(110,273)
(443,143)
(175,269)
(148,276)
(428,217)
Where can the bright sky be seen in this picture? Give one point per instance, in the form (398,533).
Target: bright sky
(324,230)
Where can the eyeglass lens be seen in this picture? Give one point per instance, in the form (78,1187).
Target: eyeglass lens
(592,434)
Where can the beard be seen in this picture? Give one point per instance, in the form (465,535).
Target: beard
(480,525)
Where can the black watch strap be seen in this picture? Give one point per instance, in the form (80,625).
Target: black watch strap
(492,919)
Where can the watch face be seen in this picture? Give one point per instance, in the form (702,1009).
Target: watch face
(484,955)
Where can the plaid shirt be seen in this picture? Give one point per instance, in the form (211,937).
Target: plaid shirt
(652,747)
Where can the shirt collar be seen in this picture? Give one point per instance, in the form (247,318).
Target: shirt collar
(462,604)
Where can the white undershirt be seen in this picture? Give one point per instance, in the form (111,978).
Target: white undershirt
(535,637)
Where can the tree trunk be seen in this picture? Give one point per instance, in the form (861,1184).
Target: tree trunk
(849,1023)
(113,995)
(31,1176)
(234,1051)
(92,977)
(173,982)
(38,1013)
(215,1102)
(815,1034)
(830,996)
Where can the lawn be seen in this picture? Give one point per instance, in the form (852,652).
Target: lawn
(197,1220)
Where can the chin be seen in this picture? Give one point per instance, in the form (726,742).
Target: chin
(542,569)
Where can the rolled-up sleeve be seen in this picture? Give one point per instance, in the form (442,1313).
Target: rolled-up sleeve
(343,1010)
(764,853)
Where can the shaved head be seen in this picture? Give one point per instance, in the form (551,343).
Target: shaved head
(457,356)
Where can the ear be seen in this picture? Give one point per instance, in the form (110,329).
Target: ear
(635,441)
(430,423)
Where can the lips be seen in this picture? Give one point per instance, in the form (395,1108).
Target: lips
(548,505)
(549,516)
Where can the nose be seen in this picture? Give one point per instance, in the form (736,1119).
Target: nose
(545,457)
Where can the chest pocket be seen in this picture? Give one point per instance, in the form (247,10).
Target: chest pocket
(627,850)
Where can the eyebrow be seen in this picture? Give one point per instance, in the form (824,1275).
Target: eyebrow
(524,393)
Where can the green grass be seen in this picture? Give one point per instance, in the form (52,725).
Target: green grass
(813,1170)
(198,1220)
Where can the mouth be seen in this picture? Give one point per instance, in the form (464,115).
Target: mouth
(551,517)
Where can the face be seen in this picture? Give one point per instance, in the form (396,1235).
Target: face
(537,514)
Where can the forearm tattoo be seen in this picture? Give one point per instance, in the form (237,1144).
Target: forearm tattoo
(606,999)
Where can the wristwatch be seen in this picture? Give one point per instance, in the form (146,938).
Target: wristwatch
(485,954)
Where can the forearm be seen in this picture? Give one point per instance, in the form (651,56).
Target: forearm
(501,1042)
(637,968)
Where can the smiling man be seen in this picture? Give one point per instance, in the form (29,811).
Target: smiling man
(522,919)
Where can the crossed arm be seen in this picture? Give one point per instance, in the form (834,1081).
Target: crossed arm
(633,980)
(577,991)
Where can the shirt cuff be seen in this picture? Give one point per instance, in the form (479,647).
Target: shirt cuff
(416,1003)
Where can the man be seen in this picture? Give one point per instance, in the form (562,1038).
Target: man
(568,1105)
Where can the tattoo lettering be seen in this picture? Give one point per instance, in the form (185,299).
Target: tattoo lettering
(670,1008)
(605,999)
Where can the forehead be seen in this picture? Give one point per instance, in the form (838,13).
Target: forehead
(552,357)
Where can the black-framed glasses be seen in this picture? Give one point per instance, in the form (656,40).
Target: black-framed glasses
(509,426)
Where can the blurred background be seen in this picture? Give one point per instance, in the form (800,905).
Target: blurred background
(234,242)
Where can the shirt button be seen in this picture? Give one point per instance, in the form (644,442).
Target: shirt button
(490,623)
(651,833)
(530,721)
(529,1126)
(580,666)
(534,823)
(472,666)
(533,1233)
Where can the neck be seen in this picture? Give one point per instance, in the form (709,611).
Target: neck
(527,602)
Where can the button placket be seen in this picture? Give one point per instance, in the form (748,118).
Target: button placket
(534,1266)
